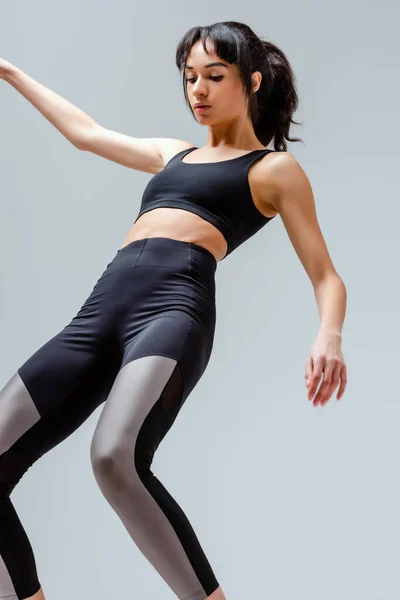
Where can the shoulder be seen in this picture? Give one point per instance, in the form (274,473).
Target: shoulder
(277,166)
(168,147)
(281,175)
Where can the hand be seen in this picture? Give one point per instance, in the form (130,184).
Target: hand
(325,358)
(5,68)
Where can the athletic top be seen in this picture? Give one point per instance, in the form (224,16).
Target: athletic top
(219,192)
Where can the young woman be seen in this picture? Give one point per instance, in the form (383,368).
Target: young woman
(143,338)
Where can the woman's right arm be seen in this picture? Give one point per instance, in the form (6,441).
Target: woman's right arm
(143,154)
(70,120)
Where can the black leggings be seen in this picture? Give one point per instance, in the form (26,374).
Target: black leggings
(140,343)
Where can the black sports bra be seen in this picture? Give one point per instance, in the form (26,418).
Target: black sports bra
(219,192)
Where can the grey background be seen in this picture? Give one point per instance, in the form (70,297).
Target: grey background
(289,502)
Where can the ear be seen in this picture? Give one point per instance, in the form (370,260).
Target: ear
(256,81)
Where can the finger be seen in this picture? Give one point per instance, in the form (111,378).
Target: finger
(316,376)
(326,382)
(333,384)
(343,382)
(309,369)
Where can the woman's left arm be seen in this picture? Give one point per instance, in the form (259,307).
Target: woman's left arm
(290,193)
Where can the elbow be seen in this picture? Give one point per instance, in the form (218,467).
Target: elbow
(331,277)
(81,138)
(78,142)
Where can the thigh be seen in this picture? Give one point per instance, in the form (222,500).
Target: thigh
(159,369)
(58,368)
(53,392)
(43,434)
(179,336)
(62,383)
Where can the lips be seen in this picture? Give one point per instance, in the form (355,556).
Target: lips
(201,108)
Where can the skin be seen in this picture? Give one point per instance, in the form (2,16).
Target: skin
(278,186)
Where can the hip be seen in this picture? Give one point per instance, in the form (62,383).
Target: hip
(151,277)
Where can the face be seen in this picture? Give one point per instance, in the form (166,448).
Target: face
(216,85)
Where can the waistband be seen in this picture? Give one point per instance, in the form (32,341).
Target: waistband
(168,252)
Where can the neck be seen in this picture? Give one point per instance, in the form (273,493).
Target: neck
(237,134)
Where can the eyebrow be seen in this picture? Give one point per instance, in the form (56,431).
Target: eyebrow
(213,64)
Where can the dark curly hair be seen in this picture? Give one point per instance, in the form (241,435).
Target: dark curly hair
(271,109)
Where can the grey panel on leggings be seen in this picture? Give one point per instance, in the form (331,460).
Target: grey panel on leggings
(6,587)
(136,389)
(18,412)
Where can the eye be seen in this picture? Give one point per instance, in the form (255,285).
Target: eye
(213,78)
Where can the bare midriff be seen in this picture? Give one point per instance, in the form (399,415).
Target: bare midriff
(180,225)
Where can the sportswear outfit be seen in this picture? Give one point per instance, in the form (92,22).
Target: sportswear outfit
(139,344)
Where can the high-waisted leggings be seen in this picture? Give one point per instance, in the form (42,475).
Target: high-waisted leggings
(139,344)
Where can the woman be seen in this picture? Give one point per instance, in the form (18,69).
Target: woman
(143,338)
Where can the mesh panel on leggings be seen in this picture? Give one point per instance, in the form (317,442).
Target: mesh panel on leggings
(171,398)
(158,422)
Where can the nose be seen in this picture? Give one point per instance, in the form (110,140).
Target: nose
(199,89)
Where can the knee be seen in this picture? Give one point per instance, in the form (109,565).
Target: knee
(110,468)
(12,468)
